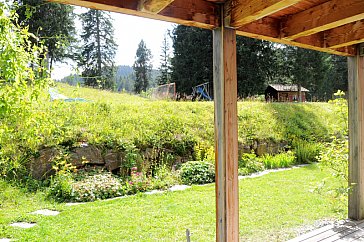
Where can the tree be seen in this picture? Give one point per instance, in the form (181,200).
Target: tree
(142,67)
(310,69)
(52,24)
(164,69)
(98,50)
(192,59)
(254,63)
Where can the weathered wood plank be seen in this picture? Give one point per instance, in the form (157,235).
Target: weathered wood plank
(326,16)
(226,134)
(240,12)
(345,35)
(197,13)
(268,29)
(153,6)
(356,236)
(312,233)
(356,136)
(346,232)
(331,232)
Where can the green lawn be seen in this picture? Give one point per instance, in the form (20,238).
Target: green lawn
(271,208)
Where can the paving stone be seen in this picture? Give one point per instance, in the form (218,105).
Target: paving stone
(46,212)
(23,225)
(75,203)
(154,192)
(179,188)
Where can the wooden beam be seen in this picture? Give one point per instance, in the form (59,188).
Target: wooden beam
(197,13)
(326,16)
(240,12)
(356,136)
(268,29)
(345,35)
(226,135)
(153,6)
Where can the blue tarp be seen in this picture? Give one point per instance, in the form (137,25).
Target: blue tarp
(55,95)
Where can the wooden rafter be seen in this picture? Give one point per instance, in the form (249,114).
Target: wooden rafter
(153,6)
(268,29)
(240,12)
(345,35)
(326,16)
(198,13)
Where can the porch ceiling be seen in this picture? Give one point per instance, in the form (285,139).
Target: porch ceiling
(333,26)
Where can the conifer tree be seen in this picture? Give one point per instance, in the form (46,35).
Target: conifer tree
(52,24)
(142,67)
(98,49)
(164,69)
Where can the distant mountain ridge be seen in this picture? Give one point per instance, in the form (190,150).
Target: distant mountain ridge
(124,78)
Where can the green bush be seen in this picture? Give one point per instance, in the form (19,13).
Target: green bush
(164,178)
(61,187)
(249,163)
(281,160)
(98,186)
(306,152)
(197,172)
(85,186)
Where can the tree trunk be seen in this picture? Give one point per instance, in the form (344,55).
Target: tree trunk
(299,92)
(98,43)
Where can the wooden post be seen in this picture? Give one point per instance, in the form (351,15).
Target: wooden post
(226,135)
(356,136)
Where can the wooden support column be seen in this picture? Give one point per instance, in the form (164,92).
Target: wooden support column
(356,136)
(226,135)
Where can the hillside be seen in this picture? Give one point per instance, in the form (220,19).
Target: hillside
(159,131)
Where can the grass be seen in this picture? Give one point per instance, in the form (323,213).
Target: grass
(271,208)
(176,129)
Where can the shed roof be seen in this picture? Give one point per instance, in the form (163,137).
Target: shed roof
(333,26)
(287,88)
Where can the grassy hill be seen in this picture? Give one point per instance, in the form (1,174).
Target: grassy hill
(125,122)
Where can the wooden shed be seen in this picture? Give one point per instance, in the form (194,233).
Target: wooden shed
(332,26)
(285,93)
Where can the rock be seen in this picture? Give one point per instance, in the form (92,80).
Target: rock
(46,212)
(112,160)
(273,148)
(254,146)
(178,188)
(261,149)
(242,149)
(5,240)
(154,192)
(86,155)
(148,154)
(23,225)
(41,167)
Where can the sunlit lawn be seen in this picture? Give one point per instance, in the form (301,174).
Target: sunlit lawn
(271,208)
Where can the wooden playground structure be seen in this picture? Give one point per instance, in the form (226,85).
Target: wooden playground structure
(332,26)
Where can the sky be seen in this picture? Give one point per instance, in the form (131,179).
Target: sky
(128,32)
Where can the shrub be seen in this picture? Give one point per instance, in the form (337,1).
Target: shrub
(204,152)
(137,182)
(98,186)
(306,152)
(164,178)
(250,163)
(61,187)
(197,172)
(281,160)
